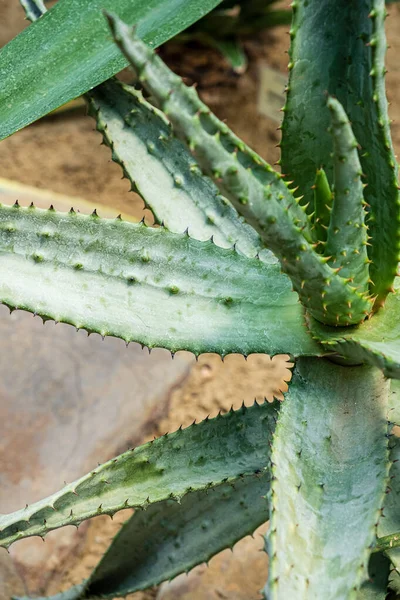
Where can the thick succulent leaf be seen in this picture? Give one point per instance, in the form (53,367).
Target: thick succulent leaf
(163,171)
(170,538)
(389,527)
(69,50)
(256,190)
(146,285)
(197,458)
(347,238)
(329,475)
(339,47)
(376,586)
(323,199)
(376,341)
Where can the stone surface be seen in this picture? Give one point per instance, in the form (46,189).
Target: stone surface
(237,575)
(67,402)
(10,581)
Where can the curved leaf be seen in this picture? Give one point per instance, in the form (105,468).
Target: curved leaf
(339,47)
(163,171)
(170,538)
(329,475)
(256,190)
(69,51)
(146,285)
(376,341)
(194,459)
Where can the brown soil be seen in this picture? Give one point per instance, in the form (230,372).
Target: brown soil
(64,154)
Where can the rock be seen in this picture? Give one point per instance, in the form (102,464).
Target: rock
(10,581)
(237,575)
(67,402)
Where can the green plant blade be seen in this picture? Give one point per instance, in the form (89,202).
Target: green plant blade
(170,538)
(163,171)
(69,51)
(339,47)
(329,475)
(322,207)
(256,190)
(146,285)
(347,232)
(376,586)
(389,527)
(376,341)
(197,458)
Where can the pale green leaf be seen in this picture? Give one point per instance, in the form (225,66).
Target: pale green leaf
(198,458)
(146,285)
(329,476)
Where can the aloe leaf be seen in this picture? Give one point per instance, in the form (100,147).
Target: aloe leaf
(162,170)
(329,475)
(255,188)
(376,341)
(197,458)
(190,117)
(322,208)
(339,47)
(69,51)
(347,232)
(376,586)
(146,285)
(170,538)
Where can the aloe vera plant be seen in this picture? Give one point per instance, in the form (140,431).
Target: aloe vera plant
(245,260)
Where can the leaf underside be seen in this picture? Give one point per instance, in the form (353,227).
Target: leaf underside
(329,475)
(194,459)
(74,32)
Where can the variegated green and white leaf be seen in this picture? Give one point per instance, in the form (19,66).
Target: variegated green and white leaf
(146,285)
(194,459)
(170,538)
(163,171)
(329,476)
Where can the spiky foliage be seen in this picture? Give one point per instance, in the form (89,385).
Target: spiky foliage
(324,465)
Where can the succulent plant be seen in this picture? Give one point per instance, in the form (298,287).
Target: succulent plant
(245,260)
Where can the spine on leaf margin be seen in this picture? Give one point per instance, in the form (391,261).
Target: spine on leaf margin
(339,47)
(255,189)
(346,244)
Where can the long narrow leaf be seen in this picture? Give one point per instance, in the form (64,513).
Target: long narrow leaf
(194,459)
(170,538)
(329,476)
(69,51)
(339,47)
(146,285)
(163,171)
(256,190)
